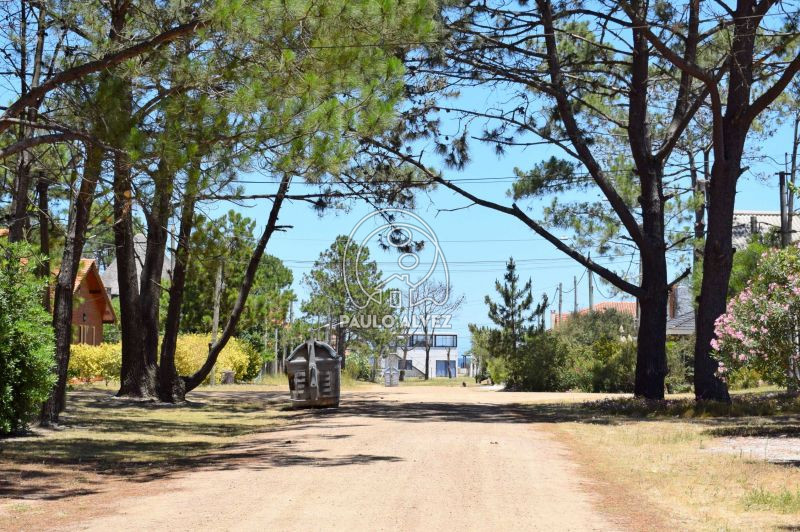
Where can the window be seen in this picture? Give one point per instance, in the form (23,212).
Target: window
(84,334)
(445,340)
(417,340)
(409,366)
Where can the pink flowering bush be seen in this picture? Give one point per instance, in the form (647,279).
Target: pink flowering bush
(761,328)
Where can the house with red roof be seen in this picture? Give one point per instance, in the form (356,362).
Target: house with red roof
(91,306)
(91,303)
(623,307)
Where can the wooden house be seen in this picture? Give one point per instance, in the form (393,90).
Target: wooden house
(91,306)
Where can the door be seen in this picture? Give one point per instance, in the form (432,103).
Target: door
(441,368)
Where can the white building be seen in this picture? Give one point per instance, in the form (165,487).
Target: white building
(443,355)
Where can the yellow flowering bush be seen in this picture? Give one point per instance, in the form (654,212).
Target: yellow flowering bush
(87,362)
(192,350)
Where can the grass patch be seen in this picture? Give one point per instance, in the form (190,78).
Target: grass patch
(670,453)
(741,405)
(440,381)
(783,501)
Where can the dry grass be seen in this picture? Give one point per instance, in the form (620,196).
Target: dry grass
(440,381)
(669,464)
(104,439)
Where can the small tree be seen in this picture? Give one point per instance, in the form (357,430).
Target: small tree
(338,267)
(479,350)
(26,340)
(514,314)
(761,328)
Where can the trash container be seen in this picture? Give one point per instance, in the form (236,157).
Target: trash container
(391,376)
(228,377)
(314,371)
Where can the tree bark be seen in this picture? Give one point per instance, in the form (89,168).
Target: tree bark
(651,355)
(717,264)
(153,266)
(171,388)
(65,282)
(137,376)
(22,182)
(42,186)
(427,358)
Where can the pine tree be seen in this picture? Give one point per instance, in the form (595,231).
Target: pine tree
(514,313)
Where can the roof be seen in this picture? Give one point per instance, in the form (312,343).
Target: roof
(83,269)
(765,221)
(682,325)
(623,307)
(111,278)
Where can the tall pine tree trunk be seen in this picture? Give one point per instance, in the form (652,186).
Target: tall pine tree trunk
(137,376)
(651,355)
(171,388)
(153,266)
(65,281)
(717,265)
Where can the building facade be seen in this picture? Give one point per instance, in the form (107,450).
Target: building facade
(443,356)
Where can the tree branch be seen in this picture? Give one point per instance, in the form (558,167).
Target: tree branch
(518,213)
(215,349)
(107,61)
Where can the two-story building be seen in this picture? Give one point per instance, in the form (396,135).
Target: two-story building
(443,355)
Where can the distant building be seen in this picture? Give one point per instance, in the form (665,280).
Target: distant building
(443,356)
(680,311)
(110,275)
(749,223)
(91,307)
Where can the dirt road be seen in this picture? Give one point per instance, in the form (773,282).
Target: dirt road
(413,458)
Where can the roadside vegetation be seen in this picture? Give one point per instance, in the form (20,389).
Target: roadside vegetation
(702,466)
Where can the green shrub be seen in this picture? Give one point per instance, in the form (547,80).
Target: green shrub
(357,366)
(606,365)
(26,341)
(538,366)
(680,361)
(744,377)
(497,370)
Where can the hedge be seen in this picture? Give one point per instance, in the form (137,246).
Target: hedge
(89,362)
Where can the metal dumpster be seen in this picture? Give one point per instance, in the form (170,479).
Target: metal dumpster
(391,377)
(314,371)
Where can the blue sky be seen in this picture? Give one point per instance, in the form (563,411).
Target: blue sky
(476,241)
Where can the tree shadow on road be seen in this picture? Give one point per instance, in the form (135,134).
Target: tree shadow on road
(106,439)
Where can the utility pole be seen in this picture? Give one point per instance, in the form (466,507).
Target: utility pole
(575,293)
(266,346)
(330,325)
(218,287)
(274,365)
(591,286)
(786,230)
(560,301)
